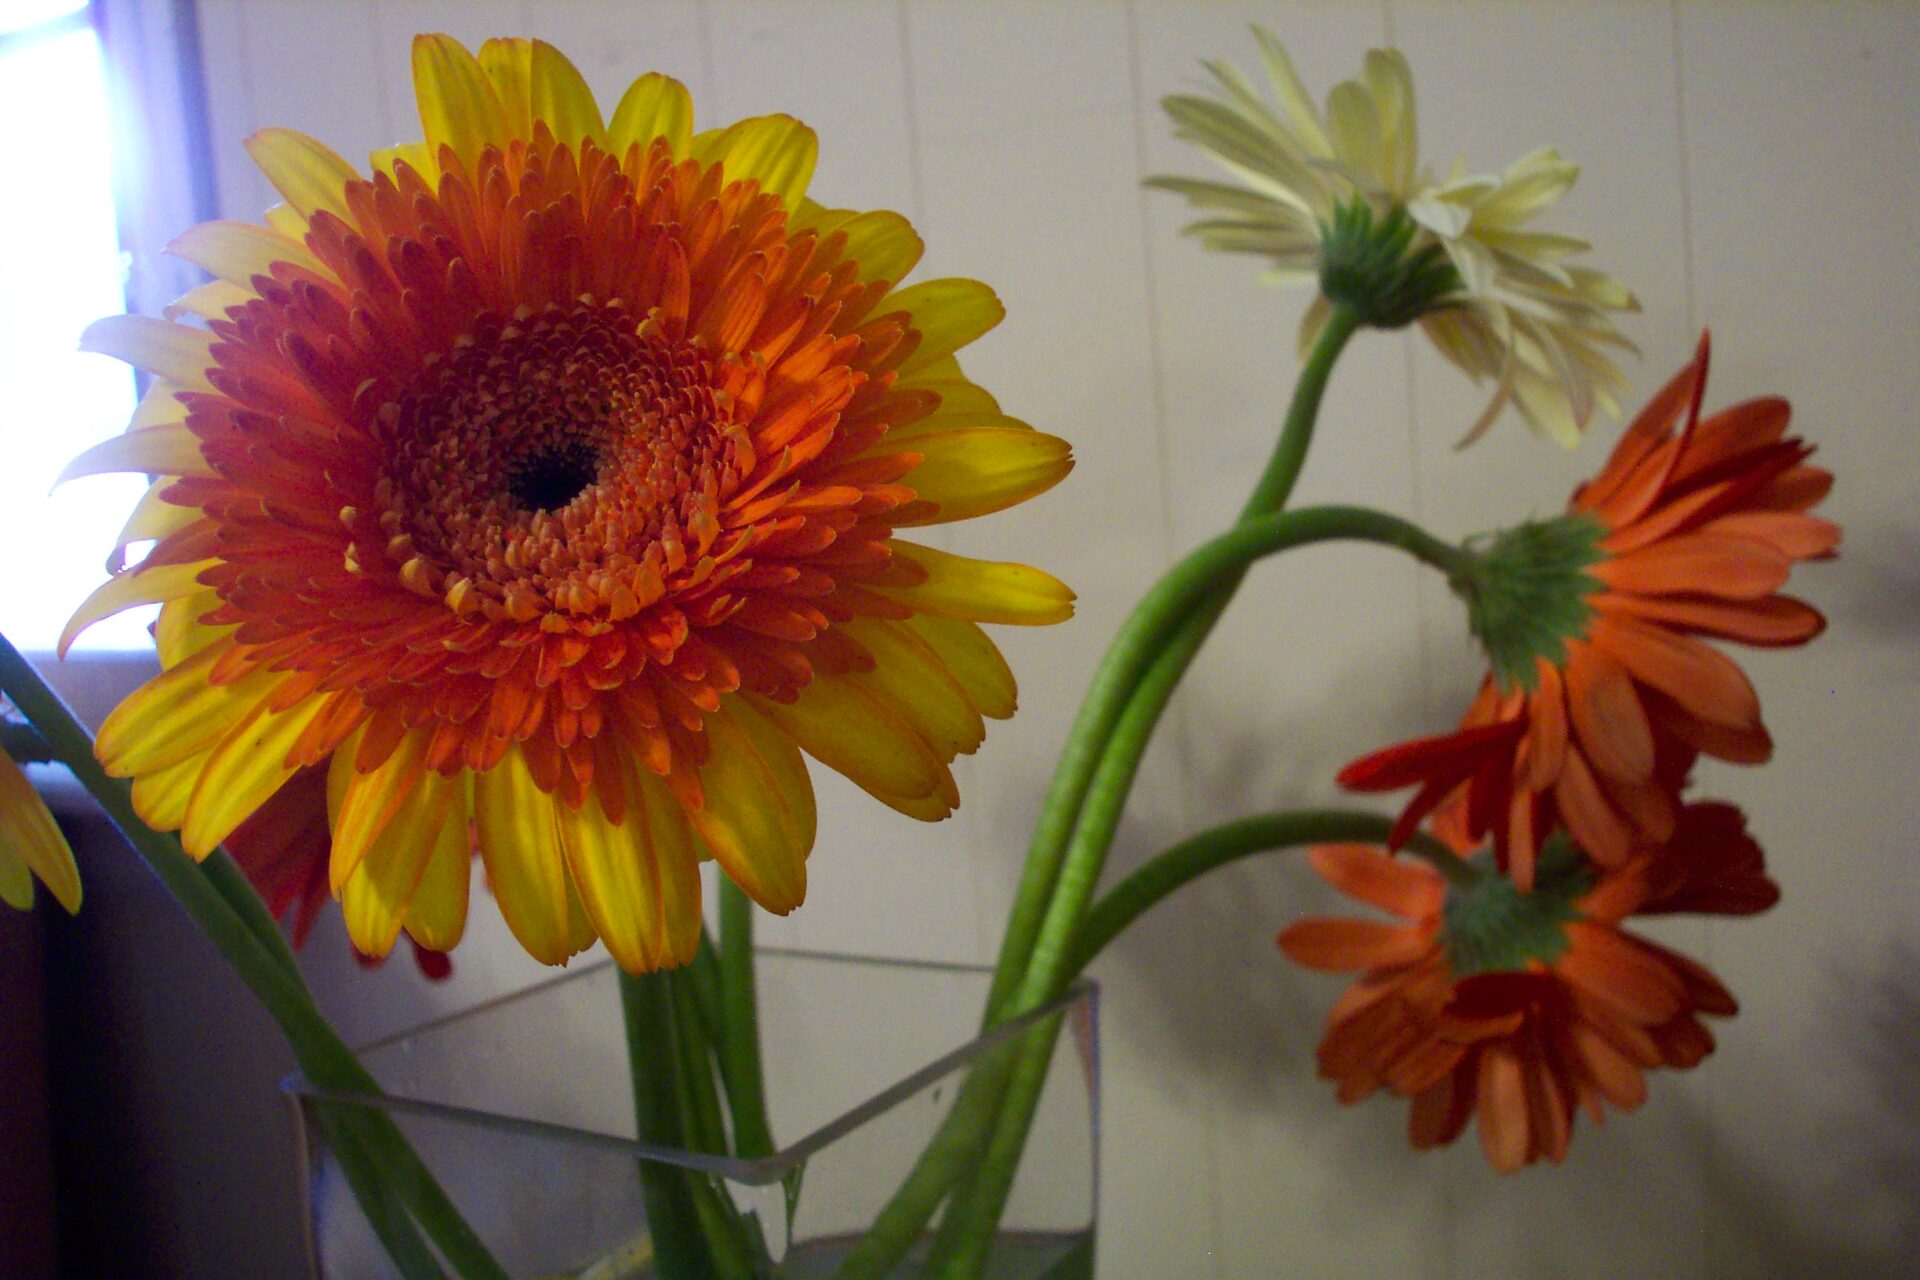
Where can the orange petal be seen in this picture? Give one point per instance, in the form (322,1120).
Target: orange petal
(1697,564)
(1353,944)
(1607,715)
(1702,681)
(1407,889)
(1771,621)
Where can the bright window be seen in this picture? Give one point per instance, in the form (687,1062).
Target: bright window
(61,268)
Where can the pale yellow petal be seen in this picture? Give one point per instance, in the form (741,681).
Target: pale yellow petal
(458,106)
(520,844)
(911,679)
(638,880)
(134,587)
(152,518)
(169,451)
(177,714)
(758,818)
(973,471)
(16,882)
(883,242)
(160,797)
(948,315)
(508,62)
(562,100)
(778,152)
(159,407)
(29,835)
(180,354)
(981,590)
(305,171)
(238,251)
(180,633)
(654,106)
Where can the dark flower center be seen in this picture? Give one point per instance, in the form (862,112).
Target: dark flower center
(545,479)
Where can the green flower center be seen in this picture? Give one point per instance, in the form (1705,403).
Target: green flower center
(1492,927)
(1526,592)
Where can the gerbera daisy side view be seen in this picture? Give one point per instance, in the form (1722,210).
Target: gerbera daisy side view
(545,485)
(1602,688)
(1522,1009)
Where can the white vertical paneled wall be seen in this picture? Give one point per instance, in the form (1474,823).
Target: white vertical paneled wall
(1752,167)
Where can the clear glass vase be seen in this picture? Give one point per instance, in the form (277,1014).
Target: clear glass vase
(522,1109)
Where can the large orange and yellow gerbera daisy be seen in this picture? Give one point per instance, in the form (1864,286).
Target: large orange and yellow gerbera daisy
(544,486)
(1522,1007)
(1692,527)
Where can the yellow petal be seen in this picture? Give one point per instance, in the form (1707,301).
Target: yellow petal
(853,732)
(508,62)
(376,897)
(437,916)
(561,99)
(974,660)
(305,171)
(958,394)
(134,587)
(180,634)
(520,844)
(245,769)
(169,451)
(160,797)
(973,471)
(948,313)
(414,155)
(654,106)
(908,677)
(177,714)
(778,152)
(458,106)
(758,818)
(158,407)
(16,882)
(883,242)
(361,805)
(981,590)
(152,518)
(210,301)
(239,251)
(29,835)
(172,351)
(639,881)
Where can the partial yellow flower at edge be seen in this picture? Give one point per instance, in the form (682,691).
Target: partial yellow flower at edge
(1539,328)
(31,844)
(541,490)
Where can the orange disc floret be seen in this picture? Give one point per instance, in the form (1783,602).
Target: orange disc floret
(547,482)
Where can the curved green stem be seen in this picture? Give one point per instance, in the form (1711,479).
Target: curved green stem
(739,1041)
(231,919)
(1160,875)
(1079,757)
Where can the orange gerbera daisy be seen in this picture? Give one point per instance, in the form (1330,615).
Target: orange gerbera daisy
(545,484)
(1595,710)
(1521,1007)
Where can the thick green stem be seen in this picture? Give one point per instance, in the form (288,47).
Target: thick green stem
(1080,755)
(1160,875)
(231,921)
(740,1019)
(673,1219)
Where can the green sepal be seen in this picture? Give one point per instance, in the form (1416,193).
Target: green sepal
(1369,264)
(1492,927)
(1526,591)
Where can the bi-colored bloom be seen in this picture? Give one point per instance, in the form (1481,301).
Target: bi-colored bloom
(1521,1008)
(1521,315)
(1695,525)
(31,846)
(544,489)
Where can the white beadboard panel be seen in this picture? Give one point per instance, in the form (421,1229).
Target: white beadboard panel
(1806,216)
(225,53)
